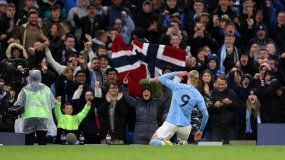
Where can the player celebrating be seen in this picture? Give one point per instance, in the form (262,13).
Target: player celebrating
(184,98)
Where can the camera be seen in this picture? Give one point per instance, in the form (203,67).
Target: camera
(22,72)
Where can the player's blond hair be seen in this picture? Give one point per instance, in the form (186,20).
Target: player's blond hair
(193,76)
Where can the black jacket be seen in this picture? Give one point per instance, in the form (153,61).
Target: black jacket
(227,115)
(85,24)
(274,105)
(90,125)
(119,116)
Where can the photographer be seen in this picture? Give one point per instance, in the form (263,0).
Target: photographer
(6,118)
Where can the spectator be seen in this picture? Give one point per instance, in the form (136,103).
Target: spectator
(52,9)
(112,111)
(3,6)
(194,15)
(55,17)
(72,61)
(146,113)
(81,10)
(146,13)
(229,53)
(224,10)
(104,64)
(89,24)
(213,64)
(7,24)
(15,51)
(273,101)
(95,73)
(226,103)
(173,11)
(261,37)
(66,122)
(254,115)
(246,64)
(115,12)
(201,60)
(62,81)
(4,101)
(125,26)
(90,125)
(158,90)
(99,40)
(272,50)
(32,28)
(173,28)
(24,12)
(201,38)
(278,31)
(57,39)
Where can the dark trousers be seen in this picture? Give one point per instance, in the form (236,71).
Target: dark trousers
(224,134)
(37,136)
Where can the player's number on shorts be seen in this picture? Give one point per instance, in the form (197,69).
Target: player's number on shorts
(185,99)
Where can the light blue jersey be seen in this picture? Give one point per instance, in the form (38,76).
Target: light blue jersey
(184,99)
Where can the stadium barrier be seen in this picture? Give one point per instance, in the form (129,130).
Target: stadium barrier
(10,138)
(271,134)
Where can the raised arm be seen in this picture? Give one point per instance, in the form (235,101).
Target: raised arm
(129,99)
(59,68)
(58,112)
(166,79)
(81,115)
(130,26)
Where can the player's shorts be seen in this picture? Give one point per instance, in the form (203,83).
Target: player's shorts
(167,130)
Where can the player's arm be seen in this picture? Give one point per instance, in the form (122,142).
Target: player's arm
(203,109)
(166,79)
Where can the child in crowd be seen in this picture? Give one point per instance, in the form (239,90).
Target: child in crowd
(66,122)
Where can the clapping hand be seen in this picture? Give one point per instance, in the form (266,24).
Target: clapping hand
(218,104)
(97,84)
(120,96)
(227,101)
(108,97)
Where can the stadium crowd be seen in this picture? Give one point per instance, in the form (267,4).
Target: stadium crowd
(56,63)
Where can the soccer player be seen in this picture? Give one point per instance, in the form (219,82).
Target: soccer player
(184,98)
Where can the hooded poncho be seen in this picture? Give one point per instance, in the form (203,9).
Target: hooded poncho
(38,101)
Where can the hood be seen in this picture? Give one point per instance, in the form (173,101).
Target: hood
(215,58)
(35,76)
(20,47)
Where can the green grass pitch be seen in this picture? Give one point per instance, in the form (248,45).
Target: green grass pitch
(133,152)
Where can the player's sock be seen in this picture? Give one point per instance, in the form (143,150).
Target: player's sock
(156,142)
